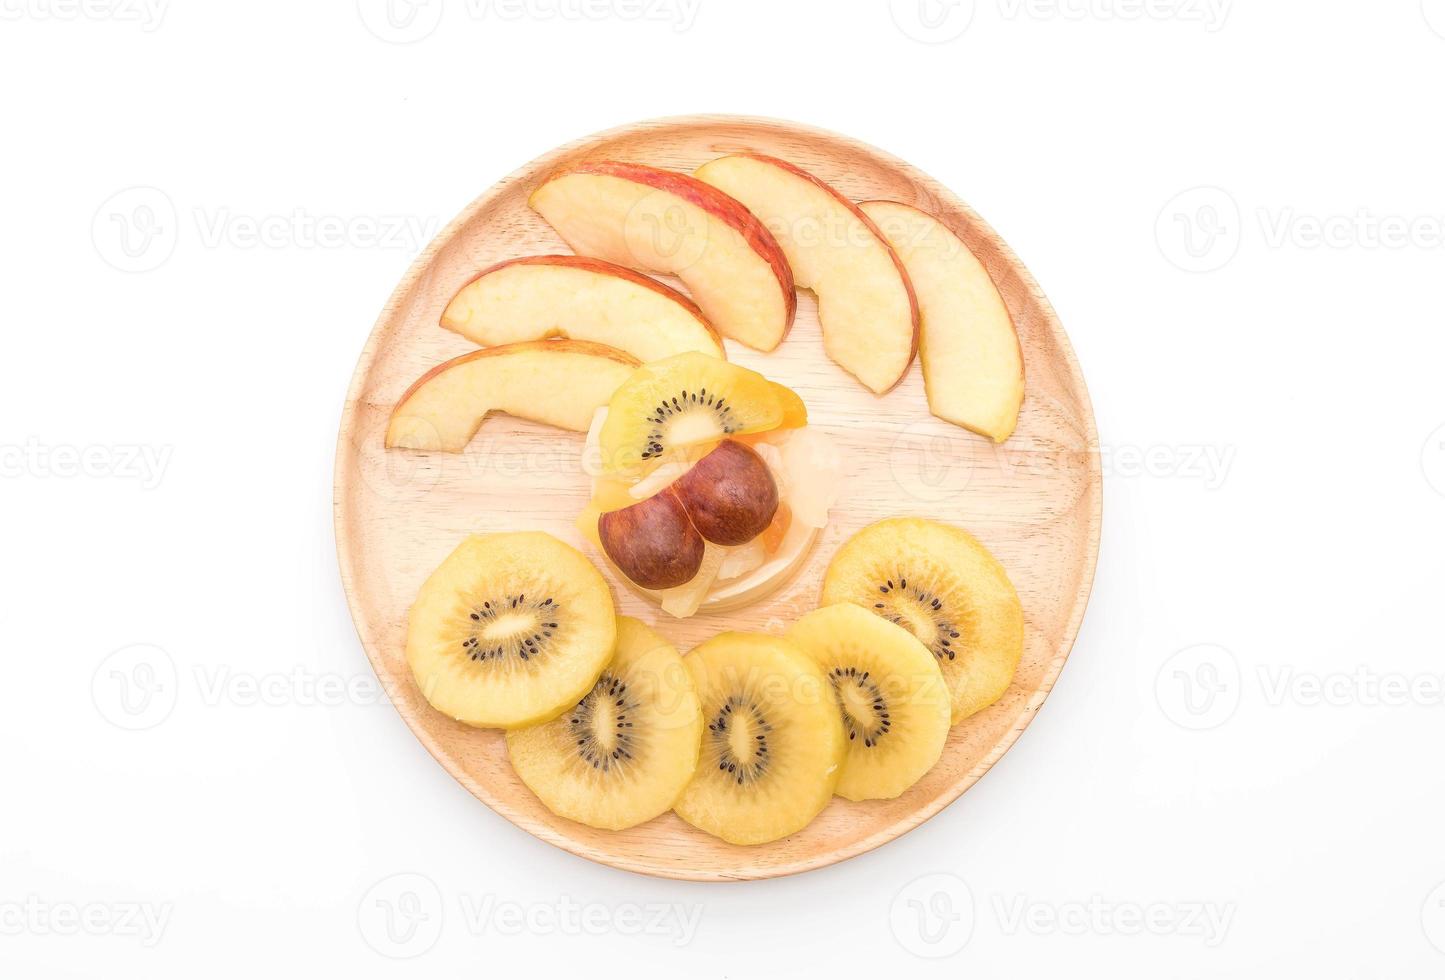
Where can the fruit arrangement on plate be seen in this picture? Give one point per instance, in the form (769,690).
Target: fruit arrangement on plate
(710,487)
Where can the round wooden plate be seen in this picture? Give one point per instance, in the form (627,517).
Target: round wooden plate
(1035,501)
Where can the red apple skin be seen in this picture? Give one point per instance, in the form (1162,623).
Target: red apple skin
(730,494)
(603,269)
(871,226)
(575,346)
(927,214)
(713,201)
(653,542)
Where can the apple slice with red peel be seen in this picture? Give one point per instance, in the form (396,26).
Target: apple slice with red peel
(973,368)
(865,302)
(559,382)
(653,542)
(579,298)
(661,221)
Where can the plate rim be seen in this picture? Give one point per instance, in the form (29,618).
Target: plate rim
(1093,516)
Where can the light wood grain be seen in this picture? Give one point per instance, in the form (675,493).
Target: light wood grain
(1035,501)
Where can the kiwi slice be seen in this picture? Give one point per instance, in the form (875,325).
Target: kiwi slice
(687,400)
(890,694)
(623,754)
(773,744)
(510,630)
(945,587)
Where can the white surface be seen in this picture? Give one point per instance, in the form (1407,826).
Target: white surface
(1273,428)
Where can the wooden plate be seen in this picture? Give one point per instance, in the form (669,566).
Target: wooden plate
(1035,501)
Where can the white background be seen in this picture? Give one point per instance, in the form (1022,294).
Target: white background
(1243,753)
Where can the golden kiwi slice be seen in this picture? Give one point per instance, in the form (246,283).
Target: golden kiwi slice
(623,754)
(773,744)
(510,630)
(891,697)
(687,400)
(945,587)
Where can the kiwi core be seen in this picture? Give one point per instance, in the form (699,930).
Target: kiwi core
(510,627)
(602,725)
(739,733)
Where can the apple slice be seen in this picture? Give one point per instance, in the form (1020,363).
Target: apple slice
(660,221)
(560,382)
(543,296)
(865,302)
(973,368)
